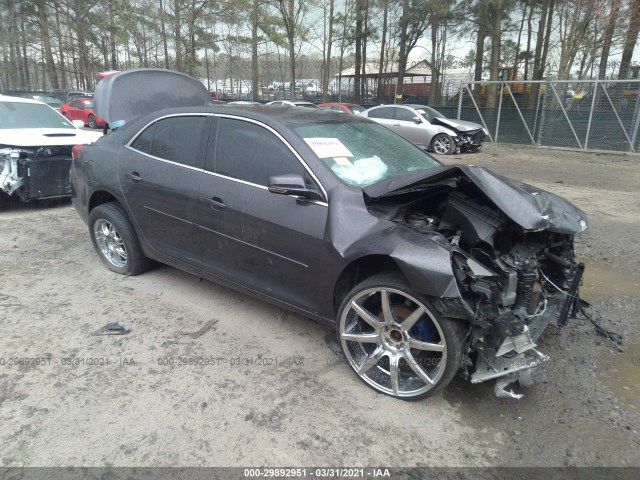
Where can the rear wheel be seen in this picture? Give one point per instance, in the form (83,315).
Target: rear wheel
(93,123)
(396,341)
(443,144)
(116,241)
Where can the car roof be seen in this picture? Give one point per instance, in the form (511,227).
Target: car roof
(260,113)
(9,98)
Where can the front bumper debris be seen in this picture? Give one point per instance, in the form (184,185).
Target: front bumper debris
(36,174)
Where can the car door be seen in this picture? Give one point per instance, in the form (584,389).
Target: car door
(160,180)
(76,111)
(406,125)
(383,115)
(270,243)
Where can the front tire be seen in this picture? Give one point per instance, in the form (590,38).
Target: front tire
(93,123)
(443,144)
(115,240)
(396,341)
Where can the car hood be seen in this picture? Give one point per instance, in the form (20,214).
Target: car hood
(532,208)
(44,137)
(461,125)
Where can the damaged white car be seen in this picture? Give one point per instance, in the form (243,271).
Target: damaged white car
(35,149)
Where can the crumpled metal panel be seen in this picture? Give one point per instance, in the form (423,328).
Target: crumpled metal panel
(355,233)
(530,207)
(133,93)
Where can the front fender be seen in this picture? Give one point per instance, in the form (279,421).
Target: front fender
(448,131)
(425,264)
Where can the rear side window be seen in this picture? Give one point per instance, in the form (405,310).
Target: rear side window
(143,142)
(177,139)
(386,112)
(249,152)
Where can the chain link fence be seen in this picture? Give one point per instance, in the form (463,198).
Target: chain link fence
(593,114)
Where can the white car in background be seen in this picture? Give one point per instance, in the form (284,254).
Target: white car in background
(35,149)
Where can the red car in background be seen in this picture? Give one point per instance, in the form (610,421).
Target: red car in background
(82,109)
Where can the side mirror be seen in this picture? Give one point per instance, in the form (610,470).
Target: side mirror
(292,184)
(78,123)
(417,119)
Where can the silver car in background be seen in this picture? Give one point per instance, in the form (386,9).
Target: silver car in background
(429,129)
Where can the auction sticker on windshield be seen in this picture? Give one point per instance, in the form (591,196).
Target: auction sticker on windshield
(325,147)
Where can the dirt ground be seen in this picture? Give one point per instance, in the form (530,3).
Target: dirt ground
(274,392)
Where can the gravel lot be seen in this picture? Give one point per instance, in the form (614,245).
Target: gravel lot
(297,403)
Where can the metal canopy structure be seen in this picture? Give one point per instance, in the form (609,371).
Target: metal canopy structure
(372,70)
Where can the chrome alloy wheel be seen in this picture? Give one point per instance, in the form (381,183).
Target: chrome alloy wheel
(393,342)
(110,243)
(442,145)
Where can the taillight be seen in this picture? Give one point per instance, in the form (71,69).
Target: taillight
(75,151)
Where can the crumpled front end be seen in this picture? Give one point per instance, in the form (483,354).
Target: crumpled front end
(469,135)
(513,262)
(35,173)
(469,141)
(513,283)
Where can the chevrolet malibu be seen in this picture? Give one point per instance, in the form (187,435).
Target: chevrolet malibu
(425,270)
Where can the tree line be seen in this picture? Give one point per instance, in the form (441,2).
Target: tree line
(63,44)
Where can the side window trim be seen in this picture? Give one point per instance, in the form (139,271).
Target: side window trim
(280,137)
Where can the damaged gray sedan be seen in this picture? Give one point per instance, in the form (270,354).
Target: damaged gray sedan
(425,270)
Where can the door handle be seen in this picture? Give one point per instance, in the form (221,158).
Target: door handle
(134,177)
(215,203)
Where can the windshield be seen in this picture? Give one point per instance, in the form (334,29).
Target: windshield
(362,153)
(356,109)
(429,113)
(88,103)
(15,115)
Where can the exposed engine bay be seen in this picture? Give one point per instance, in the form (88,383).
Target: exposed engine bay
(35,173)
(512,281)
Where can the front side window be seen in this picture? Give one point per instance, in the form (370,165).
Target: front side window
(404,114)
(177,139)
(252,153)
